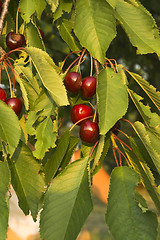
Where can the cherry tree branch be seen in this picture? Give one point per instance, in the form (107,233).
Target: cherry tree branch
(3,14)
(96,64)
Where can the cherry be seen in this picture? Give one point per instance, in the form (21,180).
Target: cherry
(3,95)
(15,104)
(73,82)
(89,131)
(115,128)
(1,4)
(89,87)
(14,40)
(79,112)
(42,33)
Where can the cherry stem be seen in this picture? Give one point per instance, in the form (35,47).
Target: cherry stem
(115,62)
(91,72)
(68,56)
(14,81)
(81,56)
(122,133)
(115,157)
(122,142)
(93,148)
(21,49)
(112,66)
(10,84)
(71,65)
(120,159)
(130,124)
(124,156)
(17,19)
(80,121)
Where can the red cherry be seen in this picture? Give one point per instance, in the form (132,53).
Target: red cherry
(73,82)
(42,33)
(89,131)
(115,128)
(3,95)
(15,104)
(14,40)
(1,4)
(79,112)
(89,87)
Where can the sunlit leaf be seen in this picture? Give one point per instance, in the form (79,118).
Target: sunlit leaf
(123,210)
(29,7)
(95,26)
(112,99)
(27,182)
(4,208)
(10,130)
(49,77)
(133,19)
(67,203)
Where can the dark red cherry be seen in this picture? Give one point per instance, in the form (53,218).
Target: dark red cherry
(42,33)
(89,131)
(79,112)
(3,95)
(116,127)
(14,40)
(15,104)
(73,82)
(89,87)
(1,4)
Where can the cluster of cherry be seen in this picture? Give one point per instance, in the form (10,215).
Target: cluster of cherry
(81,113)
(13,42)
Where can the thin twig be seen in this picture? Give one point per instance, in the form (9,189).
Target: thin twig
(3,14)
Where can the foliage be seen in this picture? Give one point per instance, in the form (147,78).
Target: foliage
(36,148)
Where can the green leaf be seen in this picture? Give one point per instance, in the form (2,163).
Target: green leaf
(101,153)
(29,7)
(150,140)
(23,91)
(27,73)
(54,4)
(46,137)
(65,28)
(27,182)
(72,145)
(10,130)
(64,6)
(148,89)
(40,123)
(112,99)
(67,203)
(133,19)
(56,158)
(95,26)
(136,157)
(48,75)
(33,36)
(112,3)
(124,216)
(4,209)
(150,119)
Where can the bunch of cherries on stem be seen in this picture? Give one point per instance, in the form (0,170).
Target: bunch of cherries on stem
(13,41)
(81,113)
